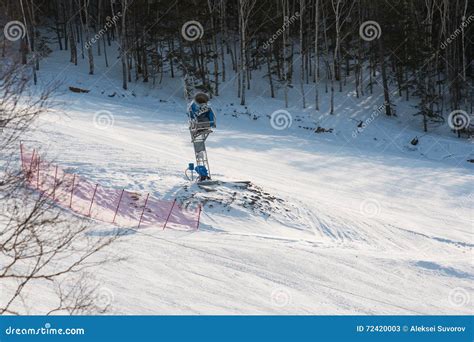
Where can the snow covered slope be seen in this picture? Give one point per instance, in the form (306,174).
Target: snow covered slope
(329,224)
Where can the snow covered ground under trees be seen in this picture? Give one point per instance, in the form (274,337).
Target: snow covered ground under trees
(352,221)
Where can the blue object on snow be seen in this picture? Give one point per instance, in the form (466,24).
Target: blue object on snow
(212,118)
(196,111)
(191,166)
(201,171)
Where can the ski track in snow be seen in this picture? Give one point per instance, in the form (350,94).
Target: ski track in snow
(327,256)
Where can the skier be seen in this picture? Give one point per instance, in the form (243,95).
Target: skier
(201,115)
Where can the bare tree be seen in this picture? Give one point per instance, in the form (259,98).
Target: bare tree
(90,55)
(123,41)
(286,36)
(245,10)
(316,54)
(302,52)
(40,245)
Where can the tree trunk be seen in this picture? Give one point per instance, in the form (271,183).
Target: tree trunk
(386,92)
(302,53)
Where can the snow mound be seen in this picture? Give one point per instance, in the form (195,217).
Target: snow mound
(238,199)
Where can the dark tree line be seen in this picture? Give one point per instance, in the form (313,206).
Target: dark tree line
(417,48)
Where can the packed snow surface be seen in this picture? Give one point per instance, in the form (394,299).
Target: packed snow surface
(350,221)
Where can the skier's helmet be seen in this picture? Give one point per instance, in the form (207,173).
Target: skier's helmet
(201,98)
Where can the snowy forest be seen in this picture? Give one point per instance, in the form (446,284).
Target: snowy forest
(421,48)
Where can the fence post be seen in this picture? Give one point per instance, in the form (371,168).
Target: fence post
(118,205)
(21,156)
(199,216)
(55,180)
(144,206)
(92,200)
(72,189)
(38,173)
(31,162)
(166,222)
